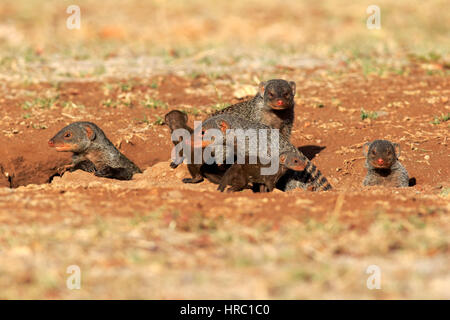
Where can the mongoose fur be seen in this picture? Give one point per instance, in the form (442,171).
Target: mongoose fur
(176,119)
(310,175)
(92,151)
(383,167)
(238,176)
(272,106)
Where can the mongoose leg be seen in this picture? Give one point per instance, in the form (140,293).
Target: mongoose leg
(194,170)
(174,165)
(235,177)
(114,173)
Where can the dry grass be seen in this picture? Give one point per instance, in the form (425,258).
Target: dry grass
(160,26)
(161,252)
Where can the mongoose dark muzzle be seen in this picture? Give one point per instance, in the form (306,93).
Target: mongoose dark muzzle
(60,146)
(280,104)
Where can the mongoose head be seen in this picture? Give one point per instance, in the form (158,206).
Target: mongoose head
(292,161)
(76,137)
(278,94)
(381,154)
(175,119)
(221,123)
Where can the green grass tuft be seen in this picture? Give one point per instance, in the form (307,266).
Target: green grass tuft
(368,114)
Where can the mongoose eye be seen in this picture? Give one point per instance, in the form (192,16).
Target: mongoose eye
(271,95)
(68,135)
(287,95)
(203,132)
(374,152)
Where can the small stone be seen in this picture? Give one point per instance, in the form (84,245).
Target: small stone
(427,157)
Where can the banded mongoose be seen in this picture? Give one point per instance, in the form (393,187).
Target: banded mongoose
(239,176)
(272,106)
(92,151)
(383,167)
(176,119)
(224,122)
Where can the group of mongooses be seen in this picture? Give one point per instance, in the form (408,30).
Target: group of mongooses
(271,108)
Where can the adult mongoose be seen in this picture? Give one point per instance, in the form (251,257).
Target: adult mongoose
(92,151)
(383,167)
(273,106)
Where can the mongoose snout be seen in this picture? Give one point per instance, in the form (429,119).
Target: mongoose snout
(382,154)
(383,167)
(278,94)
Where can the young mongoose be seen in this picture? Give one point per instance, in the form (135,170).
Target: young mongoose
(272,106)
(383,167)
(92,151)
(176,119)
(240,175)
(224,122)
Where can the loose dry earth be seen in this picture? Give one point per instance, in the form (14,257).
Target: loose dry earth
(155,237)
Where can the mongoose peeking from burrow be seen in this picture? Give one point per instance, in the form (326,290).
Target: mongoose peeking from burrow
(176,119)
(272,106)
(92,151)
(383,167)
(239,176)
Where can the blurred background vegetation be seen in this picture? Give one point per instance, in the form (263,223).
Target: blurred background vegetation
(180,28)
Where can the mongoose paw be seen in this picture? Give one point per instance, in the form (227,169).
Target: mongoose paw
(192,180)
(65,168)
(173,165)
(221,188)
(233,189)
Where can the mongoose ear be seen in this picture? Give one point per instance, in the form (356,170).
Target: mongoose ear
(165,119)
(223,125)
(283,158)
(90,132)
(262,88)
(397,149)
(293,86)
(366,148)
